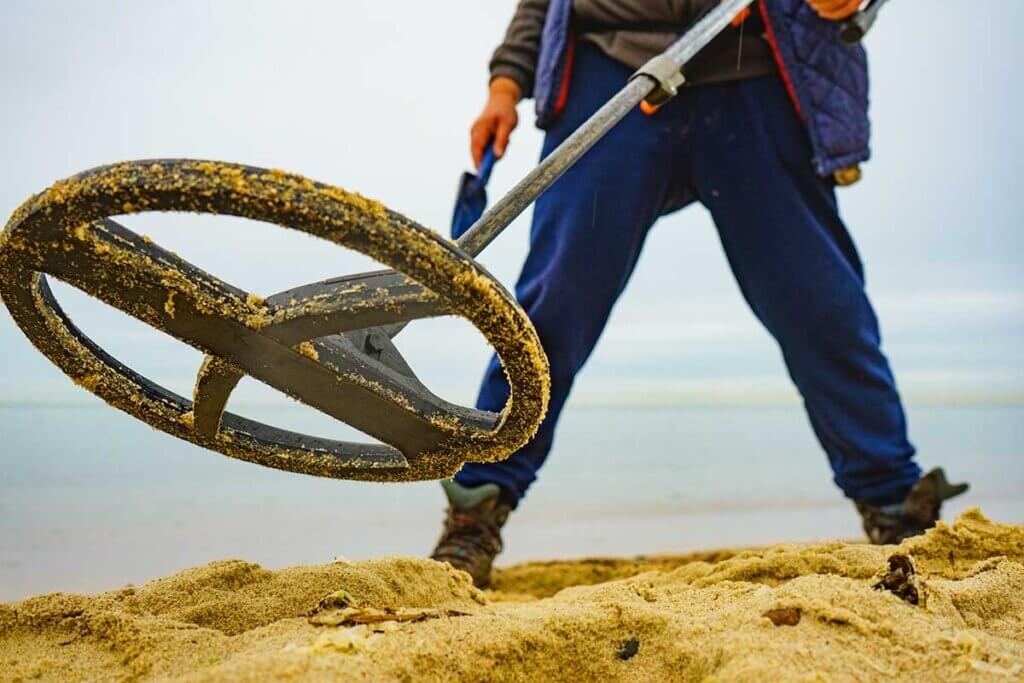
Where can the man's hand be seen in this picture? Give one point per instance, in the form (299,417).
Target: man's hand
(497,120)
(835,9)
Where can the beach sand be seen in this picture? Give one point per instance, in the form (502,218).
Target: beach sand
(785,612)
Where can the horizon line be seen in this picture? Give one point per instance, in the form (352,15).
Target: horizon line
(595,401)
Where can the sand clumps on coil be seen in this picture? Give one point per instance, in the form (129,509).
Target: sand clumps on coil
(828,611)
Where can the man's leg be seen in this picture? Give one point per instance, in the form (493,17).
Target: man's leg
(587,233)
(799,270)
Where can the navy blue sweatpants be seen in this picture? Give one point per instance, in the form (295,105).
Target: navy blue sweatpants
(741,150)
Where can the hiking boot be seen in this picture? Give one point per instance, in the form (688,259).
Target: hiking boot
(890,524)
(472,531)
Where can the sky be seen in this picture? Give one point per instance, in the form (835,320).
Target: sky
(378,97)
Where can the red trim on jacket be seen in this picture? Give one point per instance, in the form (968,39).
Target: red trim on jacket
(563,88)
(770,33)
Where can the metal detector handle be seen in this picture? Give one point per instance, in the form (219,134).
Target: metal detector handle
(853,30)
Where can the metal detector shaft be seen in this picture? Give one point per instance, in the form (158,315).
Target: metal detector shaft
(506,209)
(855,28)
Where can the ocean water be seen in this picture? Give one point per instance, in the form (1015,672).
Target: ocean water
(91,499)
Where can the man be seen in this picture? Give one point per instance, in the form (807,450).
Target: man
(773,117)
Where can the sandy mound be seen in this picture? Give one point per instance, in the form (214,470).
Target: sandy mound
(783,612)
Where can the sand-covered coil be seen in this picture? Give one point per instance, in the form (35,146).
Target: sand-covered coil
(67,224)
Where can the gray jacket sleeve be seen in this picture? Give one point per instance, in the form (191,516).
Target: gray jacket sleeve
(516,57)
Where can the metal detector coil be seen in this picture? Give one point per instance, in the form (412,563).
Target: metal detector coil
(311,342)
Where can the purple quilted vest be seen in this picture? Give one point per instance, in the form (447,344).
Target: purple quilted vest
(827,80)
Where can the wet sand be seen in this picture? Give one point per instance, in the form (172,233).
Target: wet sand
(791,612)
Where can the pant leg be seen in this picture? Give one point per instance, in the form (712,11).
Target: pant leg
(587,233)
(800,272)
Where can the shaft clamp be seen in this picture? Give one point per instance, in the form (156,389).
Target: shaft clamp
(668,76)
